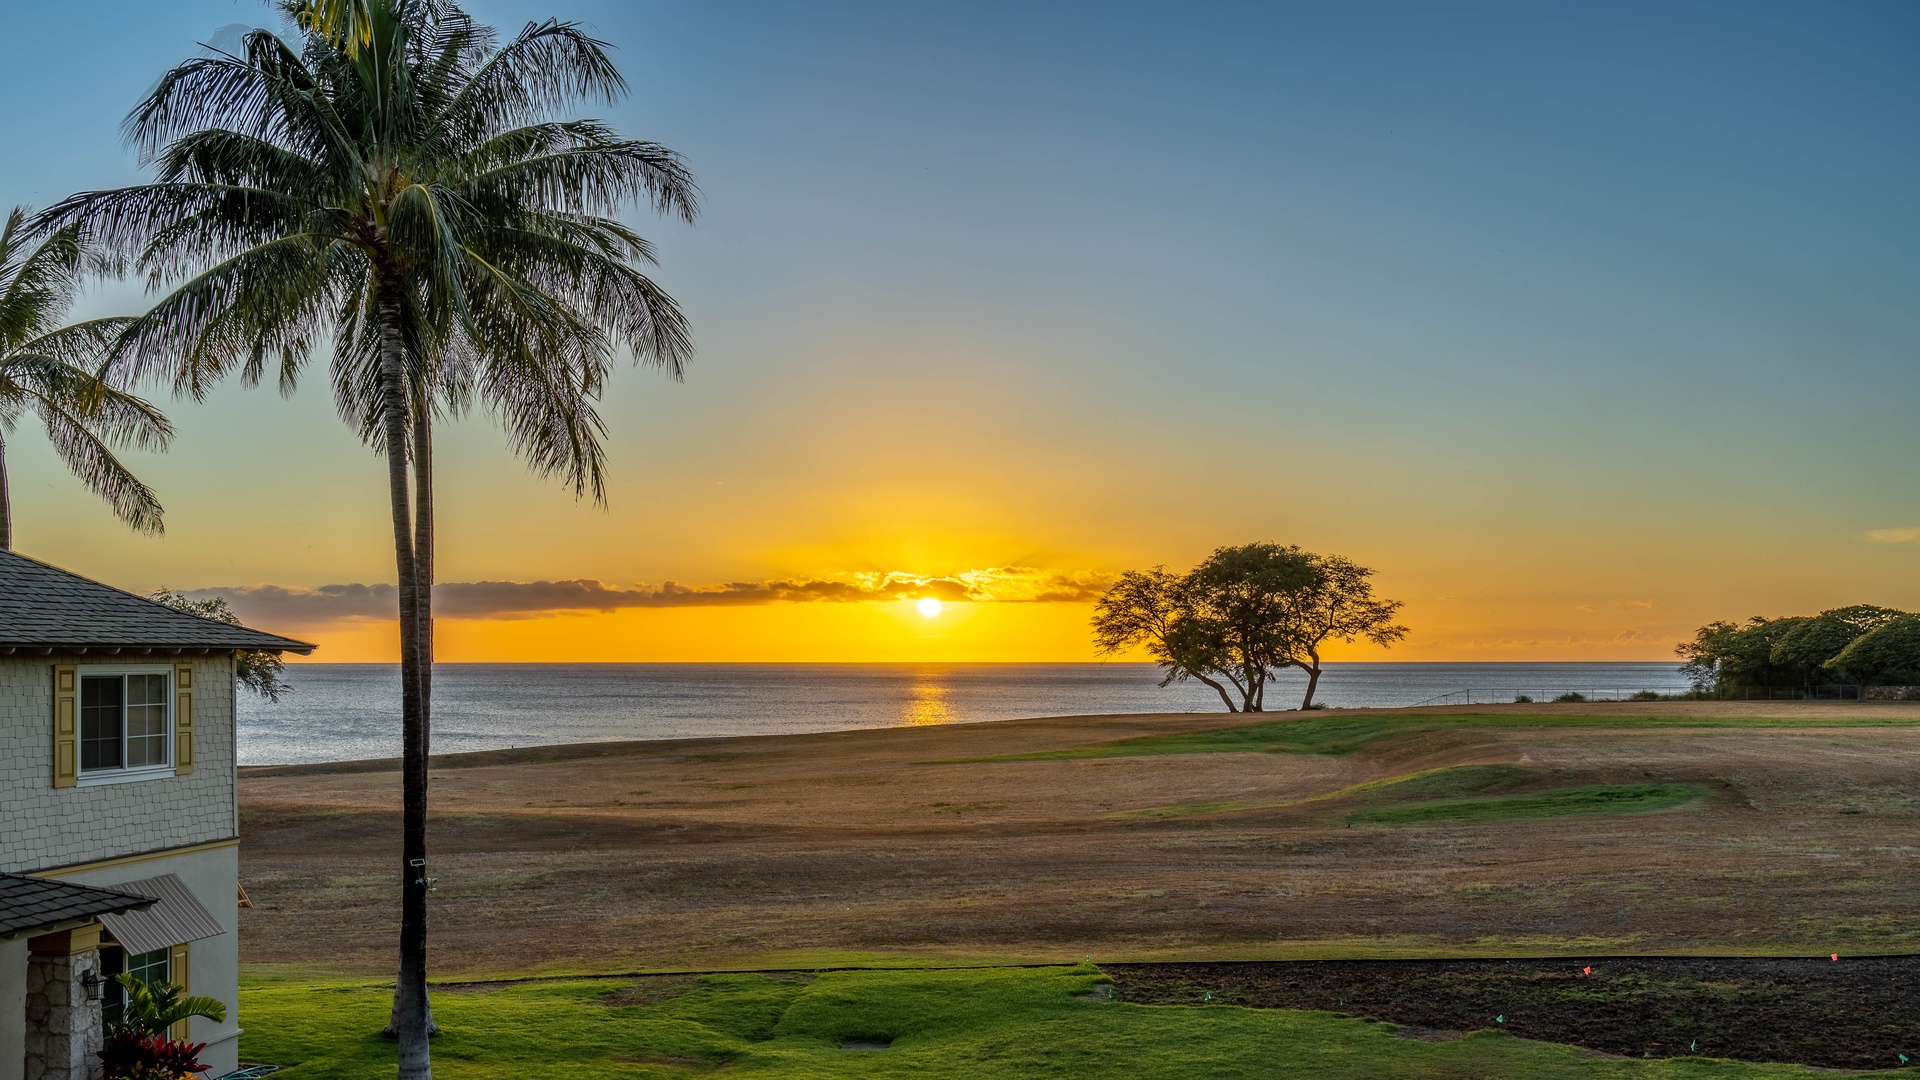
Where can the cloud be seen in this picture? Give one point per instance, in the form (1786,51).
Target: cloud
(1893,536)
(289,605)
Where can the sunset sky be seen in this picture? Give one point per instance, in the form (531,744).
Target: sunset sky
(1582,324)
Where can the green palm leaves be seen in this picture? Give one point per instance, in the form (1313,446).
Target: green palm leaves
(300,188)
(152,1010)
(52,371)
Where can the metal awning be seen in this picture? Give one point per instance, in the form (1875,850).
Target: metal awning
(176,917)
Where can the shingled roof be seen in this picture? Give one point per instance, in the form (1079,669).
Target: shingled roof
(43,607)
(34,905)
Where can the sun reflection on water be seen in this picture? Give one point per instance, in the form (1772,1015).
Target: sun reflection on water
(927,702)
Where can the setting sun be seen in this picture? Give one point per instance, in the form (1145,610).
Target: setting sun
(929,607)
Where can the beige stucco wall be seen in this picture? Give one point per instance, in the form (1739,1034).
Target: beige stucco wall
(43,827)
(13,1009)
(214,965)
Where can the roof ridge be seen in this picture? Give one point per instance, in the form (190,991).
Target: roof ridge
(125,592)
(156,608)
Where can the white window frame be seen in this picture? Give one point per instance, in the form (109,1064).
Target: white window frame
(124,775)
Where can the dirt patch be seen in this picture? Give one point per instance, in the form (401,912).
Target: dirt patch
(845,848)
(1852,1013)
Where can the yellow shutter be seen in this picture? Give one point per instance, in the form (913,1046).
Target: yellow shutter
(66,725)
(178,974)
(182,719)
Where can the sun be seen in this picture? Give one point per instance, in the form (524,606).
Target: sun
(929,607)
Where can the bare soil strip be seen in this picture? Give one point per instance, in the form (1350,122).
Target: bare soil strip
(1855,1013)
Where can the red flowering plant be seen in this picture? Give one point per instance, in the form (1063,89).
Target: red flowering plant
(129,1055)
(138,1047)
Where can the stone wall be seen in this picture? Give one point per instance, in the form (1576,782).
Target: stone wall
(1892,693)
(42,827)
(63,1023)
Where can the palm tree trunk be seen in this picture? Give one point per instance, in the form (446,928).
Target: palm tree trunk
(6,503)
(423,642)
(410,990)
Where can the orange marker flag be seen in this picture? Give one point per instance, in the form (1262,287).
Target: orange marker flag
(1586,971)
(1836,956)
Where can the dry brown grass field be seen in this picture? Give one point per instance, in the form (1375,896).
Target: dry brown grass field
(1745,828)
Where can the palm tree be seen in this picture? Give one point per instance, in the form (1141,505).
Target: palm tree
(415,201)
(41,371)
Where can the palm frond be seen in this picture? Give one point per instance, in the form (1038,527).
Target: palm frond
(93,461)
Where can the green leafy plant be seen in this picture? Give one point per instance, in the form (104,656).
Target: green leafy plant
(152,1010)
(1572,696)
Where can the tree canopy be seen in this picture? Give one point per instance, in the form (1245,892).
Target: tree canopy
(1795,652)
(1888,652)
(258,672)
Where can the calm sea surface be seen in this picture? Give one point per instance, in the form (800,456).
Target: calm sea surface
(343,712)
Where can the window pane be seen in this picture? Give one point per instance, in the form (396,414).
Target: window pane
(146,720)
(149,967)
(100,720)
(113,961)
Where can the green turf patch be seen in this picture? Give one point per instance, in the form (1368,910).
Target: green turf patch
(876,1024)
(1604,799)
(1341,734)
(1448,782)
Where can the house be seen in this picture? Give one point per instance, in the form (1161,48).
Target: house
(119,819)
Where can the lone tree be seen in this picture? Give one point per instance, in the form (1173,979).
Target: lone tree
(1338,606)
(1243,615)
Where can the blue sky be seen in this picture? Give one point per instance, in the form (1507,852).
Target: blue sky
(1536,307)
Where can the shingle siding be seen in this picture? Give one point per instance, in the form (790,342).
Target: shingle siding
(42,826)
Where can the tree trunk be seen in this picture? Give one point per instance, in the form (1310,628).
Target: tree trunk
(1222,691)
(410,989)
(423,619)
(6,504)
(1313,680)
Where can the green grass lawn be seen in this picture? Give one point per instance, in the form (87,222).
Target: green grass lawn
(1344,733)
(1000,1022)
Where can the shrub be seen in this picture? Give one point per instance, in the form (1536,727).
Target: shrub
(1573,695)
(1645,695)
(1522,699)
(128,1054)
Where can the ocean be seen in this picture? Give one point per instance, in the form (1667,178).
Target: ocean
(346,712)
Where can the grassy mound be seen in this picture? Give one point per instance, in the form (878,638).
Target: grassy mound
(1603,799)
(924,1024)
(1460,795)
(1345,733)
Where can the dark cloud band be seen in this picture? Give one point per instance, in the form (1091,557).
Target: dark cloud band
(269,605)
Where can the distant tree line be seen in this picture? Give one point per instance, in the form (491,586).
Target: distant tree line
(1242,616)
(1861,644)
